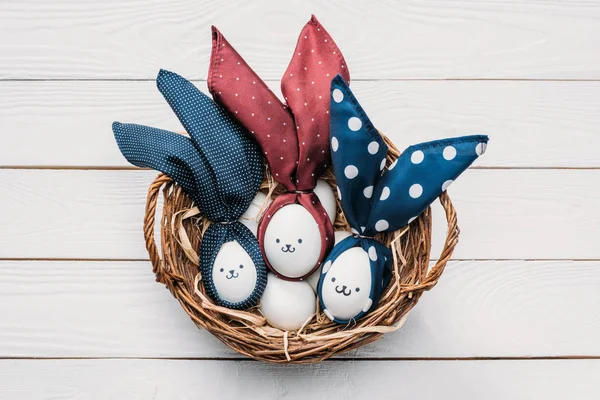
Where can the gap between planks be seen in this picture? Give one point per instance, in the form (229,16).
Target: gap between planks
(132,168)
(237,359)
(277,80)
(26,259)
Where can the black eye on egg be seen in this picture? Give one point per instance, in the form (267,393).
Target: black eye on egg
(332,279)
(357,289)
(222,270)
(276,240)
(241,266)
(299,240)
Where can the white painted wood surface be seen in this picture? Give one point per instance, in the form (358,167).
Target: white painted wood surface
(66,39)
(76,292)
(503,214)
(182,379)
(531,124)
(121,312)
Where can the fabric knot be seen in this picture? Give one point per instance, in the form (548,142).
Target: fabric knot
(301,191)
(359,236)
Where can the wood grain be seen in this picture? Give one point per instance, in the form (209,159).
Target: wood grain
(479,309)
(503,214)
(527,73)
(419,380)
(531,124)
(66,39)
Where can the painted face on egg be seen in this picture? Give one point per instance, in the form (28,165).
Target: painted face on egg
(234,273)
(346,287)
(292,241)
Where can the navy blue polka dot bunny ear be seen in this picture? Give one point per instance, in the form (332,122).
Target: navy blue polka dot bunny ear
(221,169)
(358,268)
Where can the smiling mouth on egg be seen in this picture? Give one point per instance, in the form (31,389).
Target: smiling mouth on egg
(233,275)
(343,291)
(288,249)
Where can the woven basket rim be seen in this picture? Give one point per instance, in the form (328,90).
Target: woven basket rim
(247,332)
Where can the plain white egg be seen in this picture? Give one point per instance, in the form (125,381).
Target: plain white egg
(341,235)
(252,215)
(346,288)
(287,305)
(327,198)
(234,273)
(292,241)
(313,279)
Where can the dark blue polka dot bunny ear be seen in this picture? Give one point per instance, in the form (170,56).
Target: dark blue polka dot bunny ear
(358,268)
(221,169)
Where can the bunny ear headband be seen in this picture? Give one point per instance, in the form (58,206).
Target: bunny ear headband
(220,168)
(294,137)
(374,201)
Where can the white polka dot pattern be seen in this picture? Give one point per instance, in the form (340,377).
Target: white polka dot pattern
(377,200)
(218,166)
(381,199)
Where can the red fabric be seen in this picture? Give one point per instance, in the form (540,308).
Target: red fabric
(305,86)
(294,137)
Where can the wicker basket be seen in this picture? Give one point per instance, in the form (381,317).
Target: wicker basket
(247,332)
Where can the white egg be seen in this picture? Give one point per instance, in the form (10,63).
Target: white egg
(234,273)
(253,214)
(287,305)
(327,198)
(346,287)
(341,235)
(313,279)
(292,241)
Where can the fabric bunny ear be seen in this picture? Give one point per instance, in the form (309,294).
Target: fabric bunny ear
(374,202)
(168,152)
(238,88)
(221,169)
(358,153)
(419,176)
(305,86)
(294,140)
(235,163)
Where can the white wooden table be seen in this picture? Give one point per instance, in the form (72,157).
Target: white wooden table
(517,312)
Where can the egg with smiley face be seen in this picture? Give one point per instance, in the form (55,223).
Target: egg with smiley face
(234,274)
(292,241)
(346,284)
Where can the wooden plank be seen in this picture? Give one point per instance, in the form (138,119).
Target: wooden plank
(172,379)
(478,309)
(67,39)
(531,124)
(503,214)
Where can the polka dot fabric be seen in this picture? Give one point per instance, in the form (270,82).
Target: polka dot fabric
(229,153)
(218,166)
(415,185)
(377,200)
(294,137)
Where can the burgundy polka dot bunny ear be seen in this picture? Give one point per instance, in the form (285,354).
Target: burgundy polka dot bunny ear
(296,232)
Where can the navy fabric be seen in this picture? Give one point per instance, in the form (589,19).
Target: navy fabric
(218,166)
(377,200)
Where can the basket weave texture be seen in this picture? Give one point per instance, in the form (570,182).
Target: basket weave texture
(247,332)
